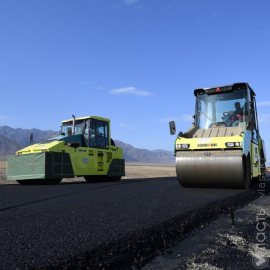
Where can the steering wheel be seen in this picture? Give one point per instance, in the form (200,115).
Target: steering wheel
(228,117)
(227,114)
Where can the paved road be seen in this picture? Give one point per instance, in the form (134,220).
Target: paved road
(40,224)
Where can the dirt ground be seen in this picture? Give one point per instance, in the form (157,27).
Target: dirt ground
(133,170)
(222,245)
(149,170)
(3,172)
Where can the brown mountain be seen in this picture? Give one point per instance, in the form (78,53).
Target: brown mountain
(22,136)
(132,154)
(8,147)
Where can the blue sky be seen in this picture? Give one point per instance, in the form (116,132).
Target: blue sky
(136,62)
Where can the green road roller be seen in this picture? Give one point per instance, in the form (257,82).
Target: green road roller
(84,148)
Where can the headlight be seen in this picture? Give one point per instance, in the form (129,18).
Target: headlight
(185,146)
(230,144)
(234,144)
(178,146)
(182,146)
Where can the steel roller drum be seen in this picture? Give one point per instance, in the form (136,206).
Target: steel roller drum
(214,169)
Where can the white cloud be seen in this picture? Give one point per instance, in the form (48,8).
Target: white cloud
(4,118)
(130,91)
(128,126)
(264,118)
(187,117)
(263,103)
(130,2)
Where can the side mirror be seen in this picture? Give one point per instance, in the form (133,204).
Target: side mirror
(193,116)
(60,131)
(31,138)
(250,120)
(69,130)
(172,128)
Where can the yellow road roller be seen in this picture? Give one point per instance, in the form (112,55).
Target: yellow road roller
(84,148)
(223,147)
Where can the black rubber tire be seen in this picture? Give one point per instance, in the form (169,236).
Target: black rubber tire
(115,178)
(89,179)
(52,181)
(40,182)
(101,178)
(95,178)
(27,182)
(247,172)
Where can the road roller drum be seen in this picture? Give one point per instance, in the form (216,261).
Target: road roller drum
(212,169)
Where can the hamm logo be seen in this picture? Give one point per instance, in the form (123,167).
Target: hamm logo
(206,144)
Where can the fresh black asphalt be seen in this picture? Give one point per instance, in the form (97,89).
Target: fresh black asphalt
(49,225)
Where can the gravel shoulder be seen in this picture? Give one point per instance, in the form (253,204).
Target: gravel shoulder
(222,245)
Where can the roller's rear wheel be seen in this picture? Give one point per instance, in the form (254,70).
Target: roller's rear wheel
(52,181)
(101,178)
(40,181)
(27,182)
(92,178)
(247,172)
(115,178)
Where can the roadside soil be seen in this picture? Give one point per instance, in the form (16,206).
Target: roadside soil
(133,171)
(222,245)
(3,173)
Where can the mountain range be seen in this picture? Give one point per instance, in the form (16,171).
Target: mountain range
(132,154)
(14,139)
(8,147)
(22,136)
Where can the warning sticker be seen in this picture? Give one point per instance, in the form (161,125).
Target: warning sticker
(85,160)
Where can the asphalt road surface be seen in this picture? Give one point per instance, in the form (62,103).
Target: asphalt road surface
(52,226)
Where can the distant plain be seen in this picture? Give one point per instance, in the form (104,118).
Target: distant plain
(134,170)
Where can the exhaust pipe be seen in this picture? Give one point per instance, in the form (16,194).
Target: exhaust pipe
(73,131)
